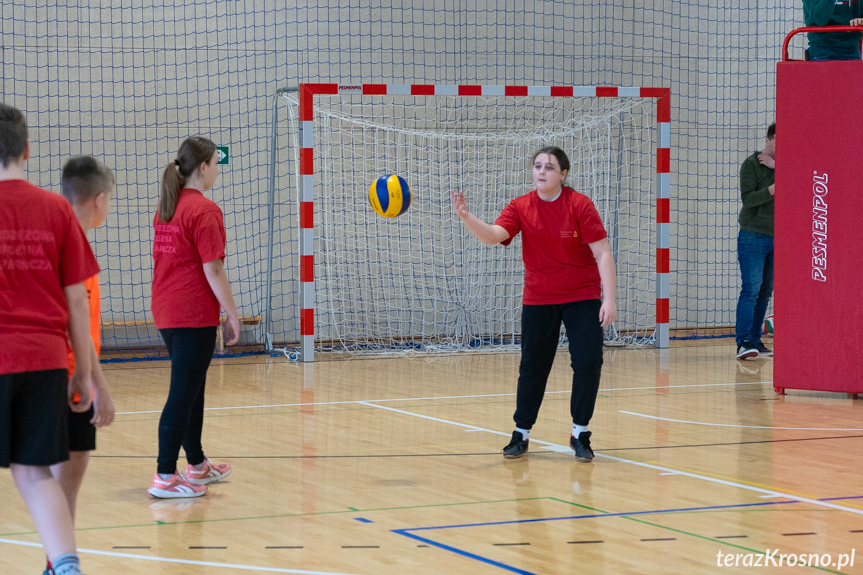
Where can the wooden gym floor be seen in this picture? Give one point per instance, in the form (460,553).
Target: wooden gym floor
(392,466)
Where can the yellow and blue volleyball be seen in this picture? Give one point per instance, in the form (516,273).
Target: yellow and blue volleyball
(390,196)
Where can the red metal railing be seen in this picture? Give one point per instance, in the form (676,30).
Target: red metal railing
(815,29)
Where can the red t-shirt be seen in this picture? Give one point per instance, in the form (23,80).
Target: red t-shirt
(93,296)
(195,235)
(559,265)
(42,251)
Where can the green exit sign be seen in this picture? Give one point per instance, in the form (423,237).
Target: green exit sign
(224,155)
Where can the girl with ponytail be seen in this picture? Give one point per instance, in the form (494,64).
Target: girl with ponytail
(190,286)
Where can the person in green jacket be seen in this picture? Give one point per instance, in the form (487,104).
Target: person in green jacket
(755,247)
(833,45)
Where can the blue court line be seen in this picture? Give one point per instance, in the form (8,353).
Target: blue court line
(458,551)
(841,498)
(409,532)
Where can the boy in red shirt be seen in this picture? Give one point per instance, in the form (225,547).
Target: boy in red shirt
(44,260)
(88,186)
(569,278)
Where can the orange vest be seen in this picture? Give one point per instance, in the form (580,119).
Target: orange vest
(92,286)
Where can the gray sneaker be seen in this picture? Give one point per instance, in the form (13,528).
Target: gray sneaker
(746,350)
(763,350)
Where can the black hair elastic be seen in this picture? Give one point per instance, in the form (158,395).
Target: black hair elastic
(177,162)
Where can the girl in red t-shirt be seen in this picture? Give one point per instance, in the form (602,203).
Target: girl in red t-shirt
(568,269)
(189,287)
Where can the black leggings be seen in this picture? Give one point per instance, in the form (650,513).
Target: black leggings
(540,332)
(191,349)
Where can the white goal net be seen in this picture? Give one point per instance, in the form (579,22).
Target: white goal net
(421,282)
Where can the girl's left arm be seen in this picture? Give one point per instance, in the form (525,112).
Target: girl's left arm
(217,277)
(605,261)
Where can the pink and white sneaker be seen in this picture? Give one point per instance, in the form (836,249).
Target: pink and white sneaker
(208,473)
(174,487)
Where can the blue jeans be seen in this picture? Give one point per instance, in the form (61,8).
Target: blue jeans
(755,254)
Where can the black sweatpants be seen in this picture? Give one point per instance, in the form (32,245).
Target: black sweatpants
(540,332)
(191,349)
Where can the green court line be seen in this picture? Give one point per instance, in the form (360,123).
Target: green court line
(680,531)
(350,510)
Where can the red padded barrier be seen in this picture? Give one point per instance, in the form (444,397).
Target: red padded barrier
(818,283)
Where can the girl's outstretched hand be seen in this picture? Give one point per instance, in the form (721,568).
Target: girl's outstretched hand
(459,205)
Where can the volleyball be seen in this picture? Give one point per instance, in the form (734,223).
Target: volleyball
(390,196)
(768,325)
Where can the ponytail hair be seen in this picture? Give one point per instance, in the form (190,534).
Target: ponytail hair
(193,152)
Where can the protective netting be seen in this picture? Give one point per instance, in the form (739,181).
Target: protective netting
(128,81)
(421,281)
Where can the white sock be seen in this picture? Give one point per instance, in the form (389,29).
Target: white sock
(578,429)
(524,432)
(67,565)
(166,476)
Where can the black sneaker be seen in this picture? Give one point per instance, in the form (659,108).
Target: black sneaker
(581,446)
(516,448)
(746,350)
(763,349)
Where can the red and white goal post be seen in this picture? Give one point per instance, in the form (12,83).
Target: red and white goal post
(420,281)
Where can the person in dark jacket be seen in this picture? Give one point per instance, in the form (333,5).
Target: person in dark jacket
(755,247)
